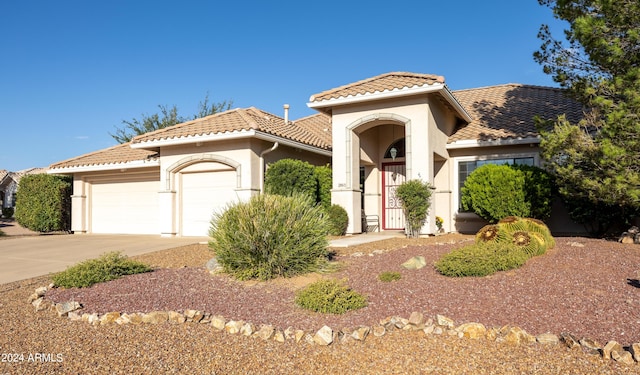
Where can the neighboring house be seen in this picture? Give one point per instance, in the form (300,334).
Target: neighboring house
(376,133)
(9,185)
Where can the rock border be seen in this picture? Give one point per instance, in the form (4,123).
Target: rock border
(440,325)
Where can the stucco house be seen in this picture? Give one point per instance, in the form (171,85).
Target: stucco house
(9,185)
(376,133)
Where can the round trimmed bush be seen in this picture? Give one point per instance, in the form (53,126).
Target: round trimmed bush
(330,296)
(338,220)
(290,176)
(494,192)
(270,236)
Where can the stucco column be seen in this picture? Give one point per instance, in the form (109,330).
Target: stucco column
(79,216)
(346,181)
(167,214)
(78,210)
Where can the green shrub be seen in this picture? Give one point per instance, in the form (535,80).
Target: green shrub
(539,186)
(325,182)
(43,203)
(109,266)
(415,196)
(7,212)
(330,296)
(2,234)
(290,176)
(270,236)
(389,276)
(338,220)
(494,192)
(481,259)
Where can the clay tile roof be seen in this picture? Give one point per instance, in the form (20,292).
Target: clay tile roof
(319,126)
(382,83)
(508,111)
(119,154)
(238,120)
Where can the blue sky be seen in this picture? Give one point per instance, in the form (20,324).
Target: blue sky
(72,71)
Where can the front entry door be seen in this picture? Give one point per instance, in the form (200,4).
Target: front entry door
(393,174)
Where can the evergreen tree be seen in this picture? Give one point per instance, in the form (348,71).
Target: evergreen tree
(598,159)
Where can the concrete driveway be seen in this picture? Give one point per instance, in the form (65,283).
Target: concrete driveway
(30,256)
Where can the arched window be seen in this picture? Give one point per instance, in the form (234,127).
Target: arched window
(399,147)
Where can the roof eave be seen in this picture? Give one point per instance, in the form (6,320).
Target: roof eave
(474,143)
(236,134)
(252,133)
(395,93)
(105,167)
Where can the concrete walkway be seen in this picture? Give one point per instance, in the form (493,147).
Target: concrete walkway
(359,239)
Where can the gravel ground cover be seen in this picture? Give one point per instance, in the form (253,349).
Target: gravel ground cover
(586,290)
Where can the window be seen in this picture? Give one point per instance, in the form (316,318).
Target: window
(466,167)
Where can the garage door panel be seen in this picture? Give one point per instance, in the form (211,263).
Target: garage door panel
(125,207)
(203,194)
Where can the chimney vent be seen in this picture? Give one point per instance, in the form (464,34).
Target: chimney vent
(286,113)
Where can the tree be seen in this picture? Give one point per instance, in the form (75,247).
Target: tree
(596,160)
(167,117)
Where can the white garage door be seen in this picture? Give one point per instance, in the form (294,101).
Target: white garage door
(202,194)
(125,206)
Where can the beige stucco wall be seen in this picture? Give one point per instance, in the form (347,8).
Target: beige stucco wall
(361,134)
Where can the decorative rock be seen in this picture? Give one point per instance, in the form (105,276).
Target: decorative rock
(193,315)
(357,254)
(569,340)
(136,318)
(517,335)
(40,292)
(32,298)
(298,335)
(547,339)
(288,333)
(492,334)
(279,336)
(41,304)
(361,333)
(622,357)
(308,338)
(155,317)
(92,318)
(635,351)
(324,336)
(379,331)
(74,316)
(472,330)
(610,348)
(576,244)
(416,319)
(123,319)
(590,346)
(444,321)
(415,263)
(206,318)
(66,307)
(233,326)
(429,329)
(218,322)
(213,266)
(109,318)
(438,330)
(266,331)
(400,323)
(176,317)
(247,329)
